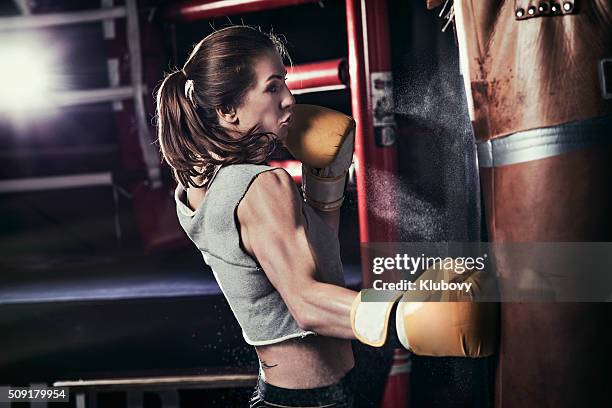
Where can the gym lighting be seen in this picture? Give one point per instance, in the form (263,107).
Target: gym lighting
(25,80)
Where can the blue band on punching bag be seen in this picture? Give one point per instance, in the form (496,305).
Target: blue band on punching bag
(546,142)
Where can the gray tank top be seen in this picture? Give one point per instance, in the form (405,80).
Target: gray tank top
(213,228)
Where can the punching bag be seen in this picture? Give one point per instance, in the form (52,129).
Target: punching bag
(537,81)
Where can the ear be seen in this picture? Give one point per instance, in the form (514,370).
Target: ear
(227,115)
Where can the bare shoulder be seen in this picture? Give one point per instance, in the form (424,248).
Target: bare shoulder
(272,194)
(272,190)
(276,181)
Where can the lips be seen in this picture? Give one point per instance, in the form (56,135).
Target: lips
(286,121)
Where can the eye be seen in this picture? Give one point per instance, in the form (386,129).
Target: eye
(272,89)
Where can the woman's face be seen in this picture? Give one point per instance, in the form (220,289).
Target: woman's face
(269,102)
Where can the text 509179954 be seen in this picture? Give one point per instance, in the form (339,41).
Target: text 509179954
(34,393)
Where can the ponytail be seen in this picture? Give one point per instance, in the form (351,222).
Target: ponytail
(180,131)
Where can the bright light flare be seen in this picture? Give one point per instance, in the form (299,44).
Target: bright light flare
(25,80)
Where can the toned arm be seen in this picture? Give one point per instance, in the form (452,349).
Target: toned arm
(273,232)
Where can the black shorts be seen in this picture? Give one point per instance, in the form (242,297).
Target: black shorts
(338,395)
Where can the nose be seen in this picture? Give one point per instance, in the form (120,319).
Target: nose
(288,99)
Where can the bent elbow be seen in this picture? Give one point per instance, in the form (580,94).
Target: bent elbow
(305,322)
(304,316)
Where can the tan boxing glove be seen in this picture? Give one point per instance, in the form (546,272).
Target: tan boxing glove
(323,140)
(449,324)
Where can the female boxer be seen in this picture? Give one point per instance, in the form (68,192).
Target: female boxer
(275,258)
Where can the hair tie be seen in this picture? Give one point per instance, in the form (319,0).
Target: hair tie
(189,90)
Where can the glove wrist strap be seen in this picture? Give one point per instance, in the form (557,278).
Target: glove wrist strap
(323,193)
(325,206)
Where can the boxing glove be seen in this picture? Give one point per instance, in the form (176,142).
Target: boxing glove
(323,140)
(447,323)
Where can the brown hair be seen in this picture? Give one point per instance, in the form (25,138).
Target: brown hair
(217,75)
